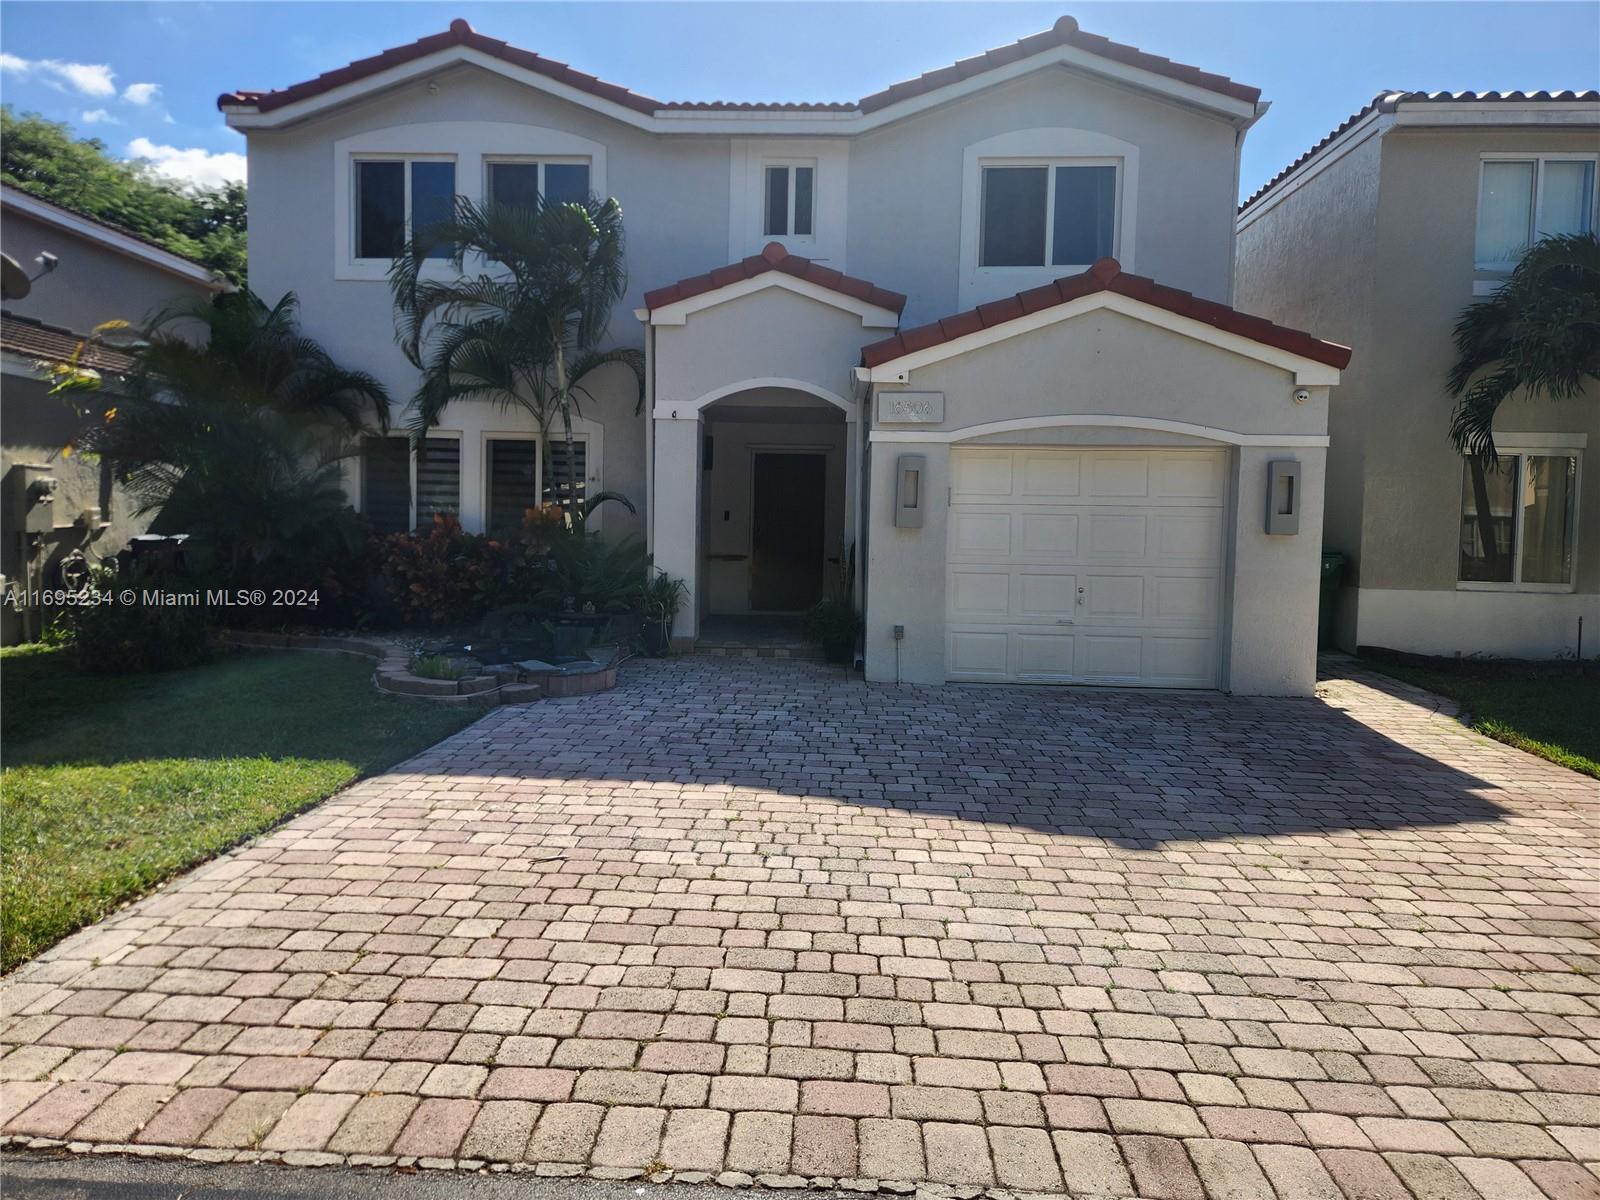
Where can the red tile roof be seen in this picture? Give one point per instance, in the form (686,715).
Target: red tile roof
(1064,32)
(775,258)
(1105,276)
(1388,102)
(33,339)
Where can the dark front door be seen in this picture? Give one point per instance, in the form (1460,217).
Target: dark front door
(786,535)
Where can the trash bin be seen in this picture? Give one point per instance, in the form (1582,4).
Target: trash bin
(1333,564)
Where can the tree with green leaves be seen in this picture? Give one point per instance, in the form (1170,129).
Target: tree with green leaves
(520,316)
(1537,336)
(231,426)
(44,159)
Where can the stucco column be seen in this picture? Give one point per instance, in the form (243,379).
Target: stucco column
(675,513)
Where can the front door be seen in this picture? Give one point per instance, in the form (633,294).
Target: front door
(786,537)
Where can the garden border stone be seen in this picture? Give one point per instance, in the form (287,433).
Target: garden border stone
(393,671)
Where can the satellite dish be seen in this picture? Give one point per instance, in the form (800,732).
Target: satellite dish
(14,281)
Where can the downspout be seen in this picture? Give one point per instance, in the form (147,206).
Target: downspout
(649,430)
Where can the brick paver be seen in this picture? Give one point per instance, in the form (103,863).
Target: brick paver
(749,916)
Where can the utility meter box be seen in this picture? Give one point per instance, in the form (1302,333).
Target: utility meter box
(32,497)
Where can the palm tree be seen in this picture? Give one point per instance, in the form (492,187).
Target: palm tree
(1538,335)
(230,425)
(525,330)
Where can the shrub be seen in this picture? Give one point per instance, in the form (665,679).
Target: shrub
(125,639)
(444,576)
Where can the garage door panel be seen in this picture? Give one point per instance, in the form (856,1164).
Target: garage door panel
(980,653)
(1140,532)
(1043,657)
(976,595)
(976,475)
(1110,598)
(1115,476)
(980,533)
(1188,478)
(1184,600)
(1045,596)
(1182,662)
(1111,657)
(1050,475)
(1118,535)
(1046,535)
(1187,535)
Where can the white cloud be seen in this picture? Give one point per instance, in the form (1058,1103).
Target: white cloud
(191,164)
(92,79)
(99,116)
(141,93)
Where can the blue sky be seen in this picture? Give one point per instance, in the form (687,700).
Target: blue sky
(144,77)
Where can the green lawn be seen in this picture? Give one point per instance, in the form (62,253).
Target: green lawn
(1546,710)
(113,784)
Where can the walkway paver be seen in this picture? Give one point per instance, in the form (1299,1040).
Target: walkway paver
(749,916)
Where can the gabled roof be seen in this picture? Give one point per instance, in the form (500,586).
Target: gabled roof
(1391,102)
(775,258)
(112,237)
(1064,32)
(1105,276)
(28,338)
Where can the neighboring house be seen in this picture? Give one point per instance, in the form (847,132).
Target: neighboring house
(1380,235)
(101,274)
(1062,482)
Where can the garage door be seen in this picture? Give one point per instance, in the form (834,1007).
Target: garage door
(1086,566)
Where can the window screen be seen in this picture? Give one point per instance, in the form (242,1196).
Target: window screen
(513,482)
(386,483)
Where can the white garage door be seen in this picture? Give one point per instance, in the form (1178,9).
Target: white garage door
(1086,566)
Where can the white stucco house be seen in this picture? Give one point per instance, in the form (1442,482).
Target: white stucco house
(1054,450)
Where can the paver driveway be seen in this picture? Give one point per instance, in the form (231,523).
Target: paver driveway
(747,917)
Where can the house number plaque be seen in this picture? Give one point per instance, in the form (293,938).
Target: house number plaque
(910,408)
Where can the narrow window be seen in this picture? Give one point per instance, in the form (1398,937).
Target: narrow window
(566,183)
(565,470)
(380,209)
(1549,512)
(1505,211)
(514,184)
(513,482)
(803,183)
(1015,210)
(386,483)
(777,223)
(433,198)
(438,478)
(1566,202)
(1085,215)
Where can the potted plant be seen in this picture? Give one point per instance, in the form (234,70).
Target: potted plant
(659,600)
(835,622)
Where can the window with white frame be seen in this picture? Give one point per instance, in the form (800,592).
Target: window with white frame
(1519,520)
(788,200)
(398,196)
(1047,213)
(404,485)
(512,464)
(1524,199)
(566,470)
(523,181)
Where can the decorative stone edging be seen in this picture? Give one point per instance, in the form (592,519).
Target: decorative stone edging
(393,672)
(925,1190)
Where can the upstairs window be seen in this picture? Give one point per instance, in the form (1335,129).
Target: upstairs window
(395,197)
(1037,214)
(789,199)
(522,182)
(1521,200)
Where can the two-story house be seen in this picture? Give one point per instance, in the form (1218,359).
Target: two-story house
(1047,467)
(1380,235)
